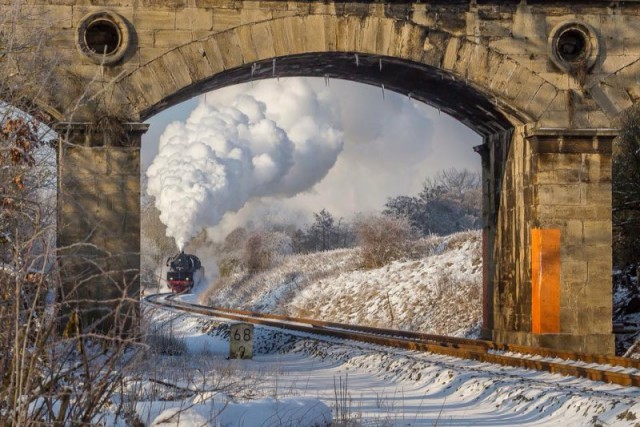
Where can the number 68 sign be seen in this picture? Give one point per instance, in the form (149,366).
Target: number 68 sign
(241,341)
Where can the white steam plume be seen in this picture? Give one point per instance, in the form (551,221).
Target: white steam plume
(275,141)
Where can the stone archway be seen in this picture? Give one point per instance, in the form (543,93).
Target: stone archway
(541,87)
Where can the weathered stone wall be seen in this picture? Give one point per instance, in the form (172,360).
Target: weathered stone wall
(99,224)
(573,194)
(500,47)
(511,251)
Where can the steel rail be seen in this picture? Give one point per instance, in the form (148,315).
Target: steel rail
(479,350)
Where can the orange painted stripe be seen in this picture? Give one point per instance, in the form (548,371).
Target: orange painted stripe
(545,280)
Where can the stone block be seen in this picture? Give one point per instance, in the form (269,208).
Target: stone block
(530,86)
(80,11)
(314,33)
(58,17)
(80,160)
(245,44)
(410,42)
(348,34)
(594,319)
(603,343)
(123,161)
(193,19)
(572,233)
(573,271)
(558,194)
(280,37)
(451,53)
(598,193)
(568,321)
(386,36)
(632,46)
(155,77)
(554,161)
(295,30)
(599,283)
(503,74)
(479,68)
(153,19)
(195,58)
(464,54)
(249,16)
(262,39)
(175,65)
(559,341)
(370,31)
(171,38)
(228,44)
(612,100)
(170,4)
(317,8)
(213,55)
(224,19)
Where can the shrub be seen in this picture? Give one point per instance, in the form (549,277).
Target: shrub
(383,239)
(263,250)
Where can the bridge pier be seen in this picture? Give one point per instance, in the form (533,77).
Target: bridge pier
(99,223)
(552,278)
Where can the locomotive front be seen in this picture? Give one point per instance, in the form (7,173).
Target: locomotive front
(180,274)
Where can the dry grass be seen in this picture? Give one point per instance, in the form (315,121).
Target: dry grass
(436,289)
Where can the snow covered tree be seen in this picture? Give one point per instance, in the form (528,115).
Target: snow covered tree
(323,229)
(451,201)
(324,234)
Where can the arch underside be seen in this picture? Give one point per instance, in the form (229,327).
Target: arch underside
(424,83)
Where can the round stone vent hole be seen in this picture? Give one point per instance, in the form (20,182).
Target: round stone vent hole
(572,45)
(102,37)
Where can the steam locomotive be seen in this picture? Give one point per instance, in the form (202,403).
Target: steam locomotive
(183,271)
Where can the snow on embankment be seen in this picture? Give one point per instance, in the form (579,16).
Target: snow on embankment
(439,292)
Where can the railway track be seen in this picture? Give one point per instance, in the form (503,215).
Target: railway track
(595,367)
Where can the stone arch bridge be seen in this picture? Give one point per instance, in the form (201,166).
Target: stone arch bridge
(542,82)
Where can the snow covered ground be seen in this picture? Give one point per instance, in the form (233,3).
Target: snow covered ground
(438,292)
(297,381)
(302,381)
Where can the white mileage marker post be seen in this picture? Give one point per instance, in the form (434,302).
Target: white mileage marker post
(241,341)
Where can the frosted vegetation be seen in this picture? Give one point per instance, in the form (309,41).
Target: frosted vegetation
(435,287)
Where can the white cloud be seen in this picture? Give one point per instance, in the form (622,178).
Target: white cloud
(391,144)
(226,155)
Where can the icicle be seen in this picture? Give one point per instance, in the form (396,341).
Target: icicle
(326,80)
(357,60)
(253,69)
(380,62)
(438,111)
(273,68)
(382,87)
(410,94)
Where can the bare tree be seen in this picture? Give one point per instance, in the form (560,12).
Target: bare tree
(51,372)
(383,239)
(450,201)
(626,190)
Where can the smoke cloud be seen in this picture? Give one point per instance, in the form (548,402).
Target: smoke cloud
(276,140)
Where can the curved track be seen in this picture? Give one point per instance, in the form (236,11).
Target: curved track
(591,366)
